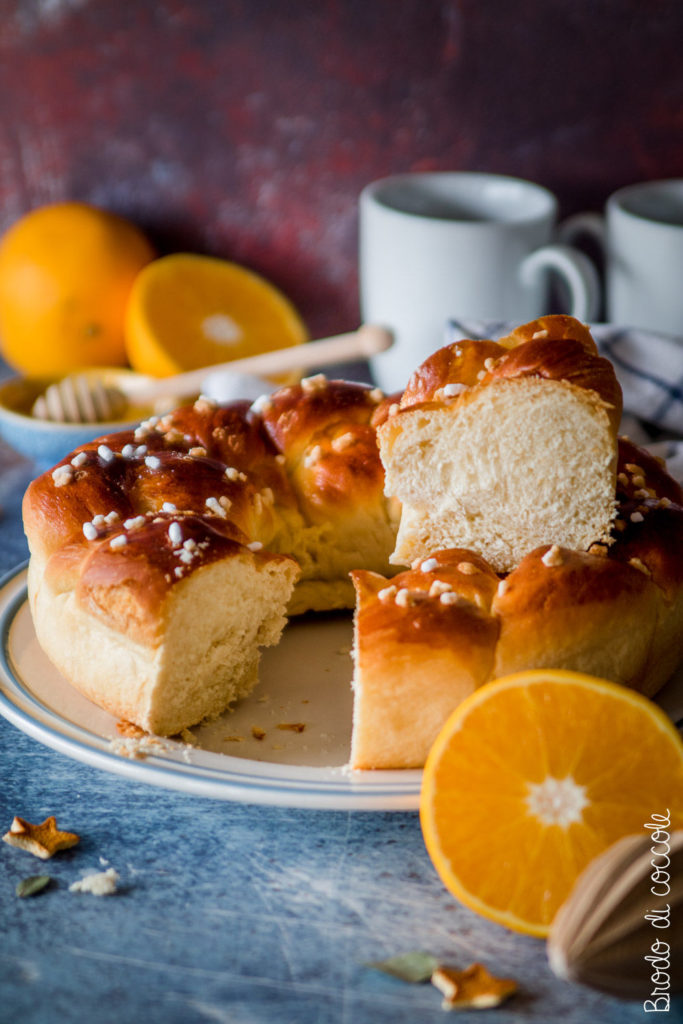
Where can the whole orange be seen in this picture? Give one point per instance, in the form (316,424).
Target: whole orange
(66,271)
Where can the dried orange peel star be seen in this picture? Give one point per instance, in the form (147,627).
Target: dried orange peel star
(474,988)
(42,840)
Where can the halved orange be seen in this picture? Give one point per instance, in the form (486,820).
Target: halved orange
(188,311)
(533,776)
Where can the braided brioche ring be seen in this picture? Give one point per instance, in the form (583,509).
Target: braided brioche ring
(163,558)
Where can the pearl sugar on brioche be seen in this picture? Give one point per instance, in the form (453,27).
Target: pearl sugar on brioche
(163,558)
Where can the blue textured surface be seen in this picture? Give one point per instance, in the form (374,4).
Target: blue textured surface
(229,912)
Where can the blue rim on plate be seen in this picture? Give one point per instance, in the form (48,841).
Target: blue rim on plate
(219,776)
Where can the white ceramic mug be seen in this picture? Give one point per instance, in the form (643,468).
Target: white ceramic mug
(642,237)
(456,244)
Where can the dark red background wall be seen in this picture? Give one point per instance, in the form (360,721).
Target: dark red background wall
(246,128)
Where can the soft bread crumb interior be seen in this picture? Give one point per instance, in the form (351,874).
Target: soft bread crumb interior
(327,552)
(217,620)
(520,464)
(214,623)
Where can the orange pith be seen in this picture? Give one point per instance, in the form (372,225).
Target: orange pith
(533,776)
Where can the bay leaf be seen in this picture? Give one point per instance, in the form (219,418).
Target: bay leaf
(415,967)
(32,885)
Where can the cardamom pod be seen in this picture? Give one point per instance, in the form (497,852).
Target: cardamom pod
(621,928)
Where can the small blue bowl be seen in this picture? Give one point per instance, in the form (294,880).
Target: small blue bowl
(45,442)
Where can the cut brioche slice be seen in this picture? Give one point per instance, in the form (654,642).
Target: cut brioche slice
(502,468)
(409,673)
(175,663)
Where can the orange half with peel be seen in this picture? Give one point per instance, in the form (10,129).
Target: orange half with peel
(533,776)
(187,311)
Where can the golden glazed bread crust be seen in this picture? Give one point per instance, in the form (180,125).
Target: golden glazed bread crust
(245,497)
(553,347)
(263,474)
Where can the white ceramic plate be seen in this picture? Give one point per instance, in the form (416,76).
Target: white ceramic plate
(305,681)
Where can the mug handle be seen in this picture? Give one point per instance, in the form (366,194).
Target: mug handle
(591,225)
(578,272)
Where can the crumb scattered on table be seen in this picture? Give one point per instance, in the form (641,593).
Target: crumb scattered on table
(98,883)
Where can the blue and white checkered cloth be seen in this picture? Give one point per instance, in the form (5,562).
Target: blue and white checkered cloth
(649,368)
